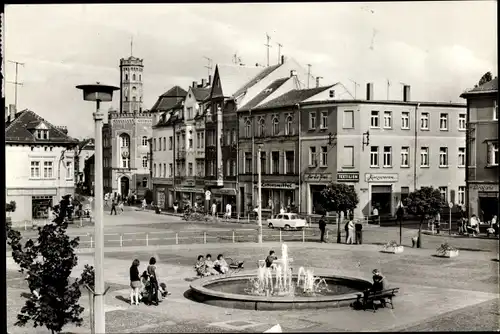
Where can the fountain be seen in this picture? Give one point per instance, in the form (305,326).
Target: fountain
(278,288)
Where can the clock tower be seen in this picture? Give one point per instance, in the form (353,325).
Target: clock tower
(131,70)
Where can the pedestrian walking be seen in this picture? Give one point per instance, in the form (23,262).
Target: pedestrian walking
(359,233)
(121,207)
(322,228)
(214,209)
(135,282)
(228,211)
(375,214)
(346,228)
(437,221)
(350,232)
(113,207)
(144,204)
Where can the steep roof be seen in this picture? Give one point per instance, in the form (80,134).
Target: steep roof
(201,94)
(18,131)
(86,144)
(264,73)
(175,91)
(488,87)
(233,77)
(263,94)
(293,97)
(169,99)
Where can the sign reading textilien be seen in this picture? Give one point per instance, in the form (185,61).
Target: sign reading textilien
(381,177)
(347,176)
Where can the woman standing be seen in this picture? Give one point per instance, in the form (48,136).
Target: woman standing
(153,280)
(135,282)
(350,232)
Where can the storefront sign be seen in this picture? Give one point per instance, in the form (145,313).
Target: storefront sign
(318,177)
(157,180)
(484,187)
(278,185)
(189,190)
(224,191)
(347,176)
(189,183)
(381,177)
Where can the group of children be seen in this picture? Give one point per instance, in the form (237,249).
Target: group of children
(146,286)
(206,267)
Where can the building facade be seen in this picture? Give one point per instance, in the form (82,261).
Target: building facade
(39,164)
(83,152)
(482,150)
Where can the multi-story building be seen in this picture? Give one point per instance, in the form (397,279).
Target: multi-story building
(83,151)
(168,109)
(482,150)
(39,164)
(125,136)
(384,149)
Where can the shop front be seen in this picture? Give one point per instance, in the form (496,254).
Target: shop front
(278,195)
(163,193)
(315,183)
(189,196)
(381,192)
(224,196)
(483,200)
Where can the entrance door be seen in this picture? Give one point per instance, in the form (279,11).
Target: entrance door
(488,207)
(381,199)
(124,186)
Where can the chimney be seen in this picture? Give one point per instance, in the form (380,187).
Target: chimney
(12,111)
(194,84)
(369,91)
(293,73)
(317,82)
(282,59)
(203,83)
(406,93)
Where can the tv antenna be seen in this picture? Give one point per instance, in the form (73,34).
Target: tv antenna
(308,73)
(268,46)
(209,66)
(236,58)
(356,85)
(279,52)
(388,87)
(16,83)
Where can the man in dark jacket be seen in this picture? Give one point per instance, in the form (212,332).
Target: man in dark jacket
(359,233)
(322,228)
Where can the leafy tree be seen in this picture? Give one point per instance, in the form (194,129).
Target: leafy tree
(10,207)
(487,77)
(48,261)
(425,203)
(339,197)
(148,196)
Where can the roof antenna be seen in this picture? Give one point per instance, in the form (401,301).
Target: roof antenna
(209,66)
(131,46)
(308,73)
(279,52)
(356,85)
(268,46)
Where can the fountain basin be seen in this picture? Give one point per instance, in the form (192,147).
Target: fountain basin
(228,291)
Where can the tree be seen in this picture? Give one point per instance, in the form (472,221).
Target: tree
(148,196)
(487,77)
(339,197)
(425,203)
(48,261)
(10,207)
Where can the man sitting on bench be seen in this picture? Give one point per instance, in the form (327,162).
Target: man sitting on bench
(379,284)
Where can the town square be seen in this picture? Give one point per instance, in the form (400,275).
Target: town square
(178,168)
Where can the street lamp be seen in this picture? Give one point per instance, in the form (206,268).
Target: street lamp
(98,93)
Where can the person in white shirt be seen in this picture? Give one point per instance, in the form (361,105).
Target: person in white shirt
(214,209)
(474,225)
(228,210)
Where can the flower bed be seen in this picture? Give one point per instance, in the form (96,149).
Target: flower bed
(446,250)
(393,248)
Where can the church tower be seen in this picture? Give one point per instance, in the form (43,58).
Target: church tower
(131,70)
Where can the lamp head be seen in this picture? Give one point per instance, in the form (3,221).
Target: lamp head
(97,92)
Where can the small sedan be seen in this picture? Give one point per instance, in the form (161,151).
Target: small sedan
(287,221)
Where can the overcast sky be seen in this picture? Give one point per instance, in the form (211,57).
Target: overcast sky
(439,48)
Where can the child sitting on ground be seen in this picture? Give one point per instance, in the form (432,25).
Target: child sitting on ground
(201,267)
(221,265)
(210,265)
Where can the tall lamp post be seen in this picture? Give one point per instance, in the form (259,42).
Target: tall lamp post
(98,93)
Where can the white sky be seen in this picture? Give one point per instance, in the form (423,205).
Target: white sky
(439,48)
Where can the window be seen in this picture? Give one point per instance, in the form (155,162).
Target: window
(424,121)
(374,156)
(261,127)
(48,169)
(233,167)
(312,120)
(170,169)
(42,134)
(154,170)
(312,156)
(374,121)
(144,182)
(348,155)
(443,157)
(125,162)
(405,120)
(235,137)
(190,143)
(424,157)
(189,113)
(198,140)
(288,126)
(387,156)
(228,167)
(461,195)
(323,162)
(263,162)
(159,144)
(248,162)
(443,191)
(443,122)
(227,136)
(405,192)
(126,77)
(164,143)
(387,119)
(324,120)
(248,128)
(276,126)
(133,76)
(144,141)
(405,156)
(348,121)
(154,144)
(462,119)
(290,162)
(461,157)
(170,143)
(164,170)
(493,154)
(124,140)
(183,143)
(275,161)
(495,110)
(144,162)
(190,169)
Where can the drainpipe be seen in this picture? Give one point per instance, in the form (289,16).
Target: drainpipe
(174,162)
(468,146)
(300,158)
(415,150)
(238,195)
(253,155)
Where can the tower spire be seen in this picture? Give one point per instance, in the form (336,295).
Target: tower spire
(131,46)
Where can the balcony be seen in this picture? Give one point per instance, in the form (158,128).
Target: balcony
(181,154)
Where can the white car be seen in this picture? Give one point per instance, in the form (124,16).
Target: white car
(287,221)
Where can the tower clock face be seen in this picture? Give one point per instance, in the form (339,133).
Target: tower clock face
(125,154)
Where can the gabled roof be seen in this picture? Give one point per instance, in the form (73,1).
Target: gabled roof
(488,87)
(233,77)
(263,94)
(264,73)
(293,97)
(86,144)
(18,131)
(200,94)
(175,91)
(169,99)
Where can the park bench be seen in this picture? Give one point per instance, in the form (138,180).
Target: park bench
(384,296)
(234,266)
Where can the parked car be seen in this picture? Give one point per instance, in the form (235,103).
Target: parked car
(287,221)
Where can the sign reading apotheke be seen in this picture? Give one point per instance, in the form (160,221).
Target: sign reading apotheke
(347,176)
(381,177)
(278,185)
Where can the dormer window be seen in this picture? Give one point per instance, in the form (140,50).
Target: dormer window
(42,134)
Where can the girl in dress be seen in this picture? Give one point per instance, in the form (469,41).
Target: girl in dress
(135,282)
